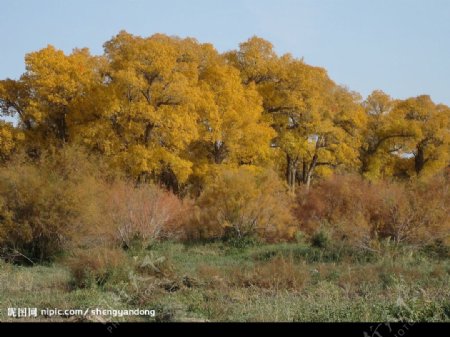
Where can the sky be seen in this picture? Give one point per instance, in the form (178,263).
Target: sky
(399,46)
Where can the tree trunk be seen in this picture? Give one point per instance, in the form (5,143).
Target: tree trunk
(148,131)
(304,171)
(169,180)
(219,152)
(419,159)
(309,171)
(291,172)
(308,180)
(61,128)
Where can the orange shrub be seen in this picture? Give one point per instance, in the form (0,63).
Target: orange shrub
(239,203)
(48,205)
(431,202)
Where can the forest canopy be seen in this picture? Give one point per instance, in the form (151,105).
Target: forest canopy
(172,110)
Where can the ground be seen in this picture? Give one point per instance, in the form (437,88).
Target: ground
(218,282)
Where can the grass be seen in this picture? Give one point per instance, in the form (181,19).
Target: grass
(218,282)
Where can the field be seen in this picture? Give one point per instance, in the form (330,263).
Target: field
(201,282)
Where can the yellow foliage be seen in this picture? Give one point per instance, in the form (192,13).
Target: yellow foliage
(242,202)
(10,140)
(316,121)
(409,137)
(170,110)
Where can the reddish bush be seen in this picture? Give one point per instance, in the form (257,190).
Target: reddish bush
(359,211)
(144,214)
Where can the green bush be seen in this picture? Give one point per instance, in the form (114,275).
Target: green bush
(241,242)
(320,239)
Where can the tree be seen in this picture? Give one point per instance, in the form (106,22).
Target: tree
(158,108)
(256,60)
(315,120)
(407,137)
(385,136)
(430,146)
(156,96)
(233,131)
(50,94)
(14,101)
(180,108)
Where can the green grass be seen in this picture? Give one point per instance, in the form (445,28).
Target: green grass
(218,282)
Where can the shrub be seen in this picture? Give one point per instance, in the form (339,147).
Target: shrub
(65,199)
(241,241)
(431,203)
(144,214)
(336,205)
(96,266)
(361,212)
(239,203)
(320,239)
(45,206)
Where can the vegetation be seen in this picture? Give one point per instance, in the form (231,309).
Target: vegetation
(360,213)
(290,282)
(237,186)
(230,207)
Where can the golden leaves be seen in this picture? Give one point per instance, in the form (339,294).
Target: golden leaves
(166,106)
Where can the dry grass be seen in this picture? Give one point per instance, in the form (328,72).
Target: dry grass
(95,266)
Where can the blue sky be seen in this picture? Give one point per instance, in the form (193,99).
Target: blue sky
(400,46)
